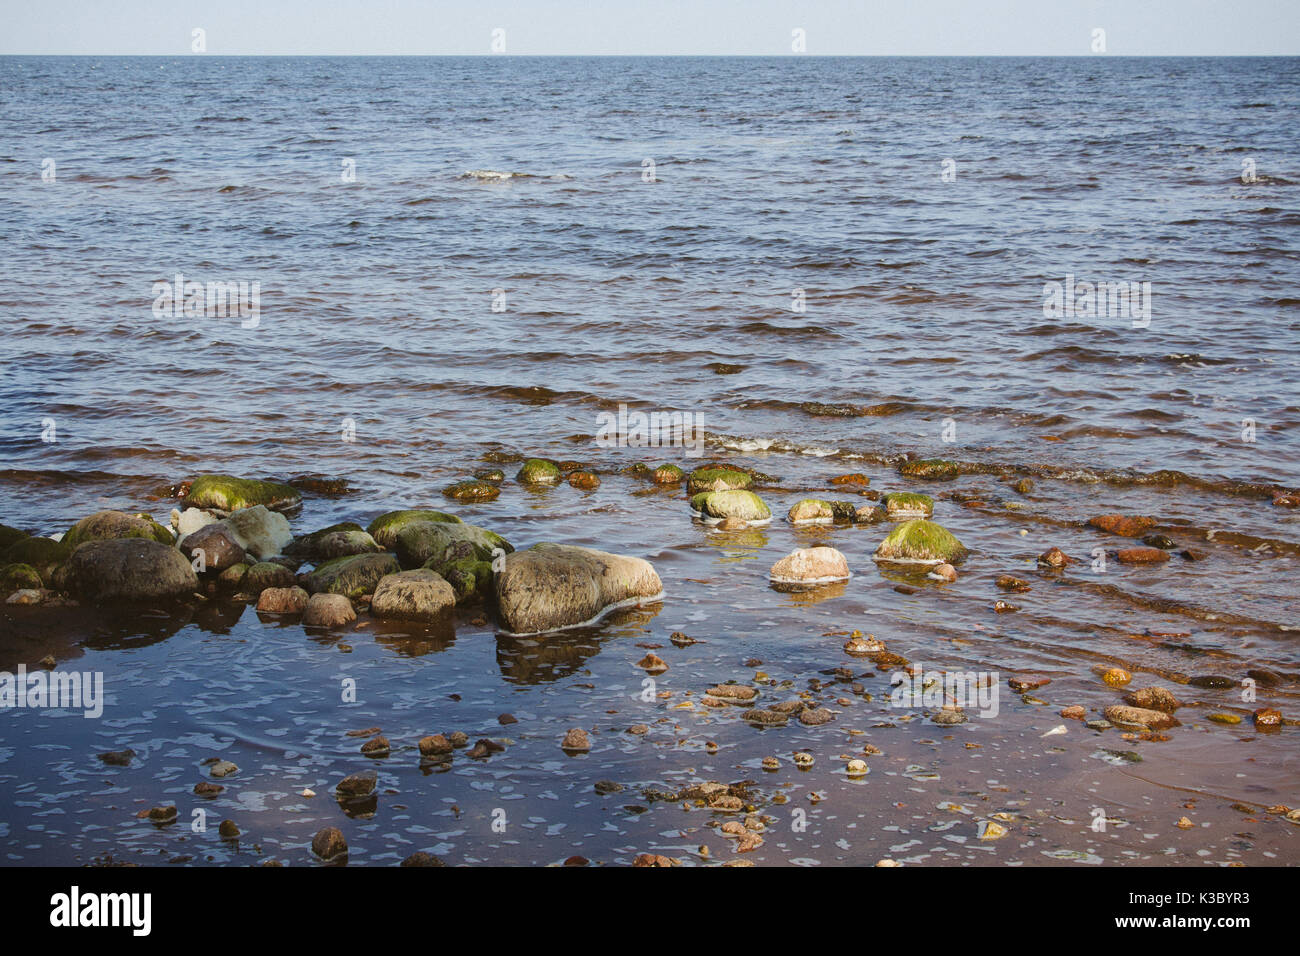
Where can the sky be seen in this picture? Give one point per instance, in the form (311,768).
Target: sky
(652,27)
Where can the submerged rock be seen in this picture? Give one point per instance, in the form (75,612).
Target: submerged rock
(538,471)
(351,576)
(1153,698)
(716,479)
(1141,555)
(667,475)
(1139,717)
(936,468)
(104,525)
(472,490)
(1132,526)
(869,514)
(900,505)
(584,480)
(553,586)
(265,575)
(413,596)
(388,526)
(261,532)
(922,542)
(127,569)
(227,494)
(810,566)
(1054,558)
(720,505)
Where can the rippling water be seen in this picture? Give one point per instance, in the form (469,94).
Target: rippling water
(924,320)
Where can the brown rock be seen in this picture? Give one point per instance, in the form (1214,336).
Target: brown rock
(422,859)
(328,843)
(1074,712)
(434,745)
(1139,717)
(576,741)
(1054,558)
(1009,583)
(1027,682)
(652,663)
(945,572)
(1268,717)
(282,601)
(328,610)
(376,747)
(1153,698)
(218,544)
(1126,526)
(1142,555)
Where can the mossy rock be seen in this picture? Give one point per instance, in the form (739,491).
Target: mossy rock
(9,535)
(735,503)
(494,475)
(224,493)
(233,576)
(472,490)
(351,576)
(937,468)
(387,527)
(104,525)
(336,541)
(844,510)
(638,470)
(716,479)
(907,504)
(811,511)
(423,541)
(538,471)
(265,575)
(44,555)
(667,475)
(469,576)
(17,577)
(921,541)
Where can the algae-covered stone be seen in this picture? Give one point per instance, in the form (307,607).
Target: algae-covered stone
(44,555)
(261,532)
(584,480)
(103,525)
(336,541)
(423,541)
(538,471)
(233,576)
(386,527)
(226,494)
(127,569)
(420,595)
(811,511)
(472,490)
(900,505)
(719,505)
(9,535)
(667,475)
(716,479)
(869,514)
(553,586)
(265,575)
(469,575)
(937,468)
(352,576)
(19,577)
(922,542)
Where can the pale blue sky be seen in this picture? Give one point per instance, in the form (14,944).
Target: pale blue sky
(833,27)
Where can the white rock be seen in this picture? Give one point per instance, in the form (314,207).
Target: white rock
(190,520)
(261,532)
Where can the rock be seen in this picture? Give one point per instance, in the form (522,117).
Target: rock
(1212,681)
(106,525)
(934,468)
(1159,541)
(328,610)
(716,479)
(901,505)
(1141,555)
(1133,526)
(494,475)
(1054,558)
(291,600)
(230,578)
(856,768)
(1153,698)
(538,471)
(43,555)
(458,738)
(337,541)
(163,815)
(127,569)
(226,494)
(351,576)
(667,475)
(27,596)
(1222,718)
(217,544)
(717,505)
(815,716)
(1116,676)
(10,536)
(1267,717)
(553,586)
(989,830)
(228,830)
(921,541)
(576,741)
(422,542)
(1009,583)
(422,859)
(356,785)
(811,511)
(385,529)
(484,748)
(1002,607)
(435,745)
(652,663)
(1024,486)
(413,596)
(1139,717)
(506,719)
(949,716)
(809,566)
(1027,682)
(857,478)
(652,859)
(261,532)
(222,768)
(472,490)
(190,520)
(944,572)
(265,575)
(869,514)
(117,758)
(205,789)
(735,692)
(328,844)
(1074,712)
(376,747)
(18,577)
(584,480)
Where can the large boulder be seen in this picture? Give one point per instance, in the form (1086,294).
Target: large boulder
(719,505)
(921,542)
(811,511)
(44,555)
(9,535)
(420,595)
(423,541)
(553,586)
(127,569)
(386,527)
(103,525)
(218,545)
(259,531)
(226,494)
(352,576)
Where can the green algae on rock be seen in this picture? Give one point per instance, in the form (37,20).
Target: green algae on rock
(937,468)
(9,535)
(227,494)
(336,541)
(422,541)
(715,506)
(18,577)
(712,478)
(386,527)
(265,575)
(921,542)
(351,576)
(116,524)
(472,490)
(667,475)
(538,471)
(44,555)
(907,504)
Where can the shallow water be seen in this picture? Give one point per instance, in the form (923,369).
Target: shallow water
(924,304)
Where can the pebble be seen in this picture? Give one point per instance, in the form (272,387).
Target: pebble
(576,741)
(223,768)
(944,572)
(803,759)
(992,831)
(1116,677)
(1074,712)
(376,747)
(652,664)
(205,789)
(329,844)
(228,829)
(1268,717)
(857,768)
